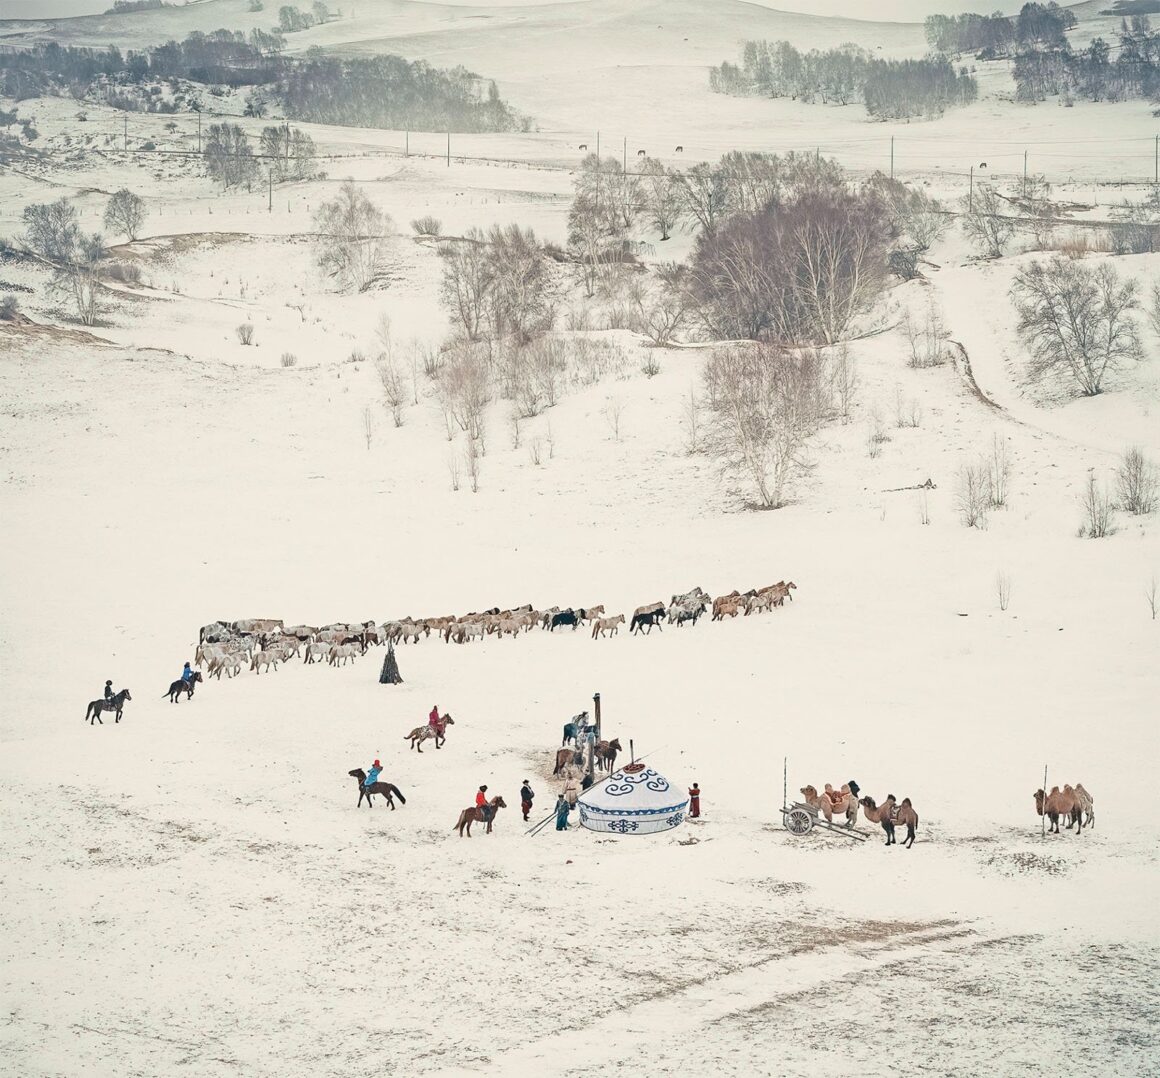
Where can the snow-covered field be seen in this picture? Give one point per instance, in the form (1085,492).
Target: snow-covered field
(192,891)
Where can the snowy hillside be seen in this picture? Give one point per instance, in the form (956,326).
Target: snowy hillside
(193,890)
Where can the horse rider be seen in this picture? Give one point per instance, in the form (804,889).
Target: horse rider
(481,803)
(187,674)
(373,775)
(109,694)
(433,719)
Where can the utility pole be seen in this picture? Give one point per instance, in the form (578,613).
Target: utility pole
(1024,173)
(971,192)
(597,145)
(1156,163)
(270,203)
(199,130)
(624,156)
(448,149)
(892,157)
(407,145)
(125,117)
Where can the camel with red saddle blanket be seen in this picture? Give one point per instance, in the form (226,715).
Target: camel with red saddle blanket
(831,802)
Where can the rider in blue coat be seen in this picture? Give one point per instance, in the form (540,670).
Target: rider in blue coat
(187,674)
(373,775)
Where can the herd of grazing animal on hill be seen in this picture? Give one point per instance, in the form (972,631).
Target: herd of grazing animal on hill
(261,644)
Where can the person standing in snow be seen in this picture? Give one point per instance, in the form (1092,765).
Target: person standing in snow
(694,801)
(571,789)
(373,775)
(562,811)
(526,797)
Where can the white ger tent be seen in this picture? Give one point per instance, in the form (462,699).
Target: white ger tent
(636,800)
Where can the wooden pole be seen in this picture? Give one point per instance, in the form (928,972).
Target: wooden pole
(407,144)
(1043,819)
(596,712)
(892,157)
(784,780)
(597,145)
(270,202)
(1024,173)
(199,132)
(126,119)
(1156,162)
(971,193)
(448,149)
(624,156)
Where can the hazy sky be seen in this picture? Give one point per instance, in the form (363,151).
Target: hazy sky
(901,10)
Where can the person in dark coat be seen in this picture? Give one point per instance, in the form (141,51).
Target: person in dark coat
(109,694)
(694,801)
(526,797)
(586,781)
(562,810)
(854,787)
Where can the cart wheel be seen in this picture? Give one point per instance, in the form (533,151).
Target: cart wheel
(798,821)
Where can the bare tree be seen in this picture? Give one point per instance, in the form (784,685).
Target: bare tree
(394,392)
(245,333)
(986,221)
(662,197)
(691,422)
(465,390)
(1154,308)
(471,457)
(998,469)
(1039,209)
(125,213)
(468,276)
(762,403)
(1151,595)
(350,243)
(844,379)
(972,495)
(53,231)
(229,157)
(924,338)
(1003,589)
(662,309)
(1137,482)
(453,471)
(368,425)
(1076,321)
(1098,518)
(612,412)
(523,296)
(596,236)
(702,192)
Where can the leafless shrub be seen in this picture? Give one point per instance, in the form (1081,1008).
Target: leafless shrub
(368,424)
(998,473)
(591,360)
(651,367)
(9,307)
(987,221)
(1151,595)
(453,471)
(427,226)
(1137,483)
(351,236)
(973,494)
(924,337)
(1003,589)
(660,312)
(471,458)
(1038,209)
(1076,321)
(924,508)
(515,424)
(394,391)
(535,451)
(612,411)
(844,380)
(125,272)
(691,422)
(1135,233)
(245,333)
(467,282)
(873,442)
(1154,308)
(1098,517)
(763,407)
(907,412)
(465,389)
(289,359)
(550,441)
(532,376)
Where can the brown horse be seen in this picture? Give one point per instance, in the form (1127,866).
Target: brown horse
(387,789)
(892,814)
(567,757)
(424,733)
(475,815)
(606,753)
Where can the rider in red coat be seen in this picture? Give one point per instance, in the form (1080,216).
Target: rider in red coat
(481,801)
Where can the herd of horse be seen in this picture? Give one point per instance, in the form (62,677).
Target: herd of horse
(227,647)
